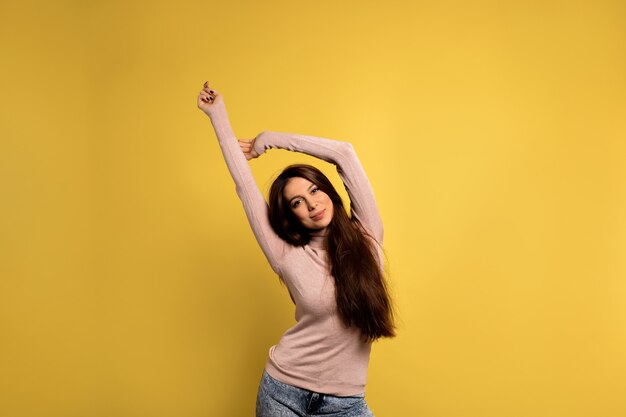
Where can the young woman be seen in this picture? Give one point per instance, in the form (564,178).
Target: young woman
(331,264)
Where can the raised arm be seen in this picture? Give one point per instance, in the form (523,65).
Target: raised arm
(362,202)
(255,206)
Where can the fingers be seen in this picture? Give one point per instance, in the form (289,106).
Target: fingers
(205,97)
(208,89)
(245,147)
(208,95)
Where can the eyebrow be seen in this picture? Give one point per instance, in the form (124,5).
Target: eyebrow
(298,195)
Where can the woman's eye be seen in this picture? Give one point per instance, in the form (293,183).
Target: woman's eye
(295,203)
(314,190)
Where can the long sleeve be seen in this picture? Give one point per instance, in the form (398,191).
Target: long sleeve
(362,201)
(254,203)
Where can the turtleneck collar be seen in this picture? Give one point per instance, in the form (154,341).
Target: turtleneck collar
(318,239)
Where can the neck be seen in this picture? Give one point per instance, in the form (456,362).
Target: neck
(318,238)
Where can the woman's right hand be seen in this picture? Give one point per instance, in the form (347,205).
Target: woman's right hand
(247,147)
(208,98)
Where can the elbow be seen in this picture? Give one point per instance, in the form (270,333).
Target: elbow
(347,152)
(347,148)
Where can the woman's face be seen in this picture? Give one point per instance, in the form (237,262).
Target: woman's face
(311,206)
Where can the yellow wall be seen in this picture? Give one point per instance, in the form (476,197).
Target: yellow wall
(493,133)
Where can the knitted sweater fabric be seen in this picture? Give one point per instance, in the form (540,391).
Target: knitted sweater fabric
(319,353)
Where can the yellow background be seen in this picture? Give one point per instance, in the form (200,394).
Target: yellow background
(493,133)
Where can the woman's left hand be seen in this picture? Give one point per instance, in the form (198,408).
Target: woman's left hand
(247,147)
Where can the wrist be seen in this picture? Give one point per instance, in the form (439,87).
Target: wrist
(259,143)
(218,115)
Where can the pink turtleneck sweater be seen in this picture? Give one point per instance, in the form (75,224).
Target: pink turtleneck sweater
(319,353)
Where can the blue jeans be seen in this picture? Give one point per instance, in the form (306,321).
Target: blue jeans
(277,399)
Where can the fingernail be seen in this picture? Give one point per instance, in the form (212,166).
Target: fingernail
(211,91)
(206,83)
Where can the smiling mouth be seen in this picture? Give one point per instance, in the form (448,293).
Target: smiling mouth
(319,215)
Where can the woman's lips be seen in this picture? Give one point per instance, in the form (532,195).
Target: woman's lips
(319,215)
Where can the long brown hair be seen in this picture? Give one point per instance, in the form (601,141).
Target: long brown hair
(362,296)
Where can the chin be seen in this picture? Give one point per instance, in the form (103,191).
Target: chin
(323,225)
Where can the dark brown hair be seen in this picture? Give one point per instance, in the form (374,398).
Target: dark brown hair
(362,297)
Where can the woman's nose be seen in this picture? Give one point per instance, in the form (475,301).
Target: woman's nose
(312,205)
